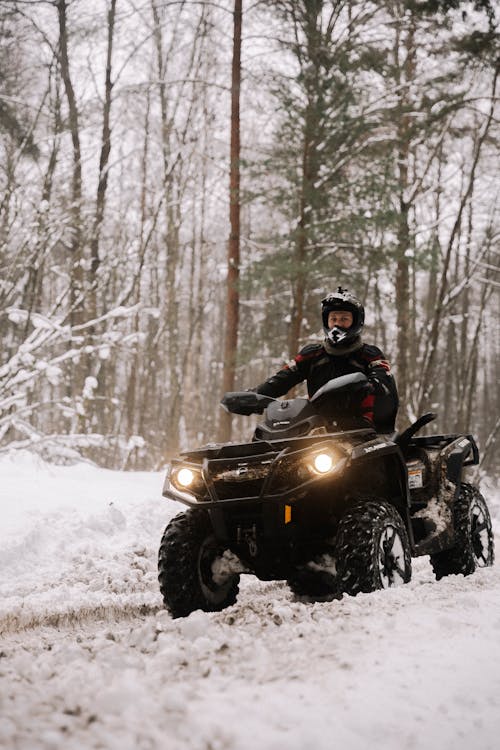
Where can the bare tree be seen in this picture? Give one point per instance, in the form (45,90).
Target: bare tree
(233,257)
(430,355)
(77,313)
(103,177)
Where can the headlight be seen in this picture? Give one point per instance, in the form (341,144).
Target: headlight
(184,477)
(323,463)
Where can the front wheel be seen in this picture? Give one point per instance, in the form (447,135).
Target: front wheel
(373,550)
(474,546)
(189,567)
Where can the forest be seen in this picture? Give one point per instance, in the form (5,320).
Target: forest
(182,181)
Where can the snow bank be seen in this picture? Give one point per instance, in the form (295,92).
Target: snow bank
(76,539)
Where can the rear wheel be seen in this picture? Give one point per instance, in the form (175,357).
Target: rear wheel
(474,546)
(373,551)
(190,572)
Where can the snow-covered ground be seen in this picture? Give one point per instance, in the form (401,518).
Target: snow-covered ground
(89,659)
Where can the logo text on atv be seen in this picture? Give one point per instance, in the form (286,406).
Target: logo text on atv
(371,448)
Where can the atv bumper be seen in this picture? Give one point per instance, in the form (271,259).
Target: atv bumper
(280,477)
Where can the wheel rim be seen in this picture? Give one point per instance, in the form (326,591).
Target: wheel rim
(480,536)
(214,592)
(391,558)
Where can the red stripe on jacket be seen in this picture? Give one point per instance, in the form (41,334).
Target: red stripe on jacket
(367,406)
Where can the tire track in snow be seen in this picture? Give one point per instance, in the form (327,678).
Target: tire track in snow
(46,609)
(258,603)
(28,615)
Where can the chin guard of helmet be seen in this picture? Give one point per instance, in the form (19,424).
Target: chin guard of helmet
(337,334)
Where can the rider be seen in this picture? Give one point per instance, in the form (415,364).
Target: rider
(343,352)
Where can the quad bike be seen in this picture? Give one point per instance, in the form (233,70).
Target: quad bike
(329,511)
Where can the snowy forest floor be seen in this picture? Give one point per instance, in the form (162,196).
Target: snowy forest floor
(89,659)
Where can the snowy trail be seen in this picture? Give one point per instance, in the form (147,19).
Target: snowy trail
(88,659)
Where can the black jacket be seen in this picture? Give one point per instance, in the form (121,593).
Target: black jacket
(376,406)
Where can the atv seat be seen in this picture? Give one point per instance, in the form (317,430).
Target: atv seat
(403,438)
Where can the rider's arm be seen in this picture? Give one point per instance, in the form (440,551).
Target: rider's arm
(291,374)
(381,403)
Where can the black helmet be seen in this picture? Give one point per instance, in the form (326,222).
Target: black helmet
(342,300)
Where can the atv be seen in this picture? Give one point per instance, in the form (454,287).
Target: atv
(330,511)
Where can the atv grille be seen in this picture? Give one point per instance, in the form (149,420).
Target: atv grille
(234,479)
(226,490)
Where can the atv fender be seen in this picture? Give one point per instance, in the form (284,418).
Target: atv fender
(438,512)
(459,457)
(380,469)
(385,451)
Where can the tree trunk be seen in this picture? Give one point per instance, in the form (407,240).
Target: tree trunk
(299,261)
(405,75)
(103,167)
(403,304)
(172,396)
(77,279)
(32,295)
(233,257)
